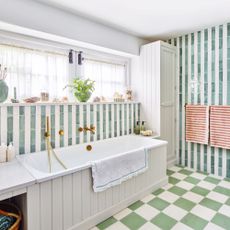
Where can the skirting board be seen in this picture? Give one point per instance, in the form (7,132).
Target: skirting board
(99,217)
(171,162)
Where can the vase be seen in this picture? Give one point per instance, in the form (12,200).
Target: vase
(3,91)
(83,96)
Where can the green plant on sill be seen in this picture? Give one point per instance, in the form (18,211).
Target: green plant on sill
(82,89)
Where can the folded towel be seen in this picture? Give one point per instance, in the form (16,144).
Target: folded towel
(116,169)
(220,126)
(197,123)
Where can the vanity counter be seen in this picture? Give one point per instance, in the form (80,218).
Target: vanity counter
(14,179)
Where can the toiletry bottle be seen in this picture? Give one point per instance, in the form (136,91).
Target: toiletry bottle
(10,152)
(142,128)
(3,149)
(137,128)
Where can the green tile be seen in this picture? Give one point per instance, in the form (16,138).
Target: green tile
(227,179)
(136,205)
(212,204)
(212,180)
(222,190)
(221,220)
(177,190)
(200,191)
(133,221)
(163,221)
(158,203)
(192,180)
(173,180)
(185,172)
(105,224)
(194,222)
(228,202)
(203,173)
(185,204)
(169,172)
(158,191)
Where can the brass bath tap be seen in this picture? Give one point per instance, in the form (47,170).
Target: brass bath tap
(85,129)
(49,147)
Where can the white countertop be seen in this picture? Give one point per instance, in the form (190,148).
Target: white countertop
(14,176)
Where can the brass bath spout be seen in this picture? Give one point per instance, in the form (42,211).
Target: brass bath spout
(91,129)
(49,147)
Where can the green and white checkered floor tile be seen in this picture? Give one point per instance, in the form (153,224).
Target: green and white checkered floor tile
(191,200)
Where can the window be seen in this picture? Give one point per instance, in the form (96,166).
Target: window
(33,72)
(109,77)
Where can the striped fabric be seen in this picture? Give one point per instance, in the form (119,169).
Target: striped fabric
(220,126)
(197,123)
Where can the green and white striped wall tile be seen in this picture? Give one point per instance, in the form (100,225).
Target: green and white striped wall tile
(25,124)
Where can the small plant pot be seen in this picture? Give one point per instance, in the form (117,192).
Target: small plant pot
(83,97)
(3,91)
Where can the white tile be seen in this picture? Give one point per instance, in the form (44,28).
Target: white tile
(203,212)
(116,226)
(211,226)
(180,226)
(147,212)
(175,168)
(198,175)
(206,185)
(122,214)
(193,197)
(168,196)
(225,210)
(224,184)
(178,176)
(148,226)
(185,185)
(167,186)
(217,196)
(175,212)
(148,198)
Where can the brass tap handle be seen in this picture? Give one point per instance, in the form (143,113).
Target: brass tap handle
(61,132)
(85,129)
(80,129)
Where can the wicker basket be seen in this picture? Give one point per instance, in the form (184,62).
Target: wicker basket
(9,209)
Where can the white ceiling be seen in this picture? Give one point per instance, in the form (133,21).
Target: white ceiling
(150,19)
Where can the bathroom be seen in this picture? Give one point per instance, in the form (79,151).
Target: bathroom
(114,122)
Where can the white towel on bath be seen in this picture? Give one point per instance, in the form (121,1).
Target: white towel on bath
(116,169)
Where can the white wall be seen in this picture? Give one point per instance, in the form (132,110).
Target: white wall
(36,16)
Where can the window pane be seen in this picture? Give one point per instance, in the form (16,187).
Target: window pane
(109,78)
(32,72)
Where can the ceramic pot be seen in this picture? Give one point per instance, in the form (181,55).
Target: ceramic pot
(83,96)
(3,91)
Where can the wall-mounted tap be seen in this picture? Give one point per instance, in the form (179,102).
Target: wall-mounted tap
(49,147)
(85,129)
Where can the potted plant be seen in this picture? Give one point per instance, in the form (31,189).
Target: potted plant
(82,89)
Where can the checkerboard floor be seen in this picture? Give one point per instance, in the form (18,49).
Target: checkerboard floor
(190,200)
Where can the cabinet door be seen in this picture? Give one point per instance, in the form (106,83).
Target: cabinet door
(168,96)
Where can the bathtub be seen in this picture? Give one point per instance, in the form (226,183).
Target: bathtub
(65,200)
(78,158)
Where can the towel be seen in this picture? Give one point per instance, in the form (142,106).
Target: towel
(220,126)
(116,169)
(197,123)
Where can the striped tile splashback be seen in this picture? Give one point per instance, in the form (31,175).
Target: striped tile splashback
(204,78)
(25,124)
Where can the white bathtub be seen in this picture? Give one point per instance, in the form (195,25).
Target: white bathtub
(77,157)
(65,200)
